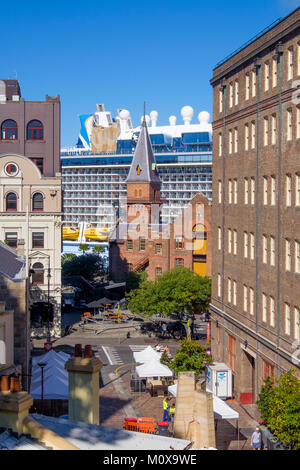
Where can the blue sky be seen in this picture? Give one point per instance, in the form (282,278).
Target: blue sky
(123,53)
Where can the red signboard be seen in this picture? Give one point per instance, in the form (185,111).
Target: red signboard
(48,347)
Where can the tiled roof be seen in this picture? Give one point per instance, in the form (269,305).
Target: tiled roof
(11,441)
(143,167)
(11,265)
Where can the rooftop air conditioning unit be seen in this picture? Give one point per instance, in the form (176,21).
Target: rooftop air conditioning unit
(2,97)
(100,108)
(15,97)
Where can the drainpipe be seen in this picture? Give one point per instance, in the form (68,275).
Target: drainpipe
(257,65)
(279,53)
(224,148)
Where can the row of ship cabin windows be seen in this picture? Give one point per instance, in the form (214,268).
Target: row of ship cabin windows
(11,202)
(34,131)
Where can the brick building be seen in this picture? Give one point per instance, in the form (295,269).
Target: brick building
(30,196)
(141,241)
(255,218)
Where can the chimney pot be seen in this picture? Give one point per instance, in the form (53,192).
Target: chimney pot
(15,386)
(4,387)
(78,350)
(88,353)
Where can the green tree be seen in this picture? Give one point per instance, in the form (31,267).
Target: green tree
(88,266)
(83,247)
(134,279)
(177,291)
(190,357)
(98,249)
(279,403)
(67,257)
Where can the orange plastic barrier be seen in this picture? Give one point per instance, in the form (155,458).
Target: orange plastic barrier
(144,425)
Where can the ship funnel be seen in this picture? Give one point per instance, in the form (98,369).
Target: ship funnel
(187,114)
(172,120)
(154,117)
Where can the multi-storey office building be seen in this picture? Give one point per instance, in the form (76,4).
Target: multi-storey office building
(256,209)
(94,179)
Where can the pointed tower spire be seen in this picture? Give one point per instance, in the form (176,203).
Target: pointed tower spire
(143,167)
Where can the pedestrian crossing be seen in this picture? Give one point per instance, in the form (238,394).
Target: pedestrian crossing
(137,347)
(112,355)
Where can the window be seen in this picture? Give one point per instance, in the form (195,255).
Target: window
(230,95)
(219,285)
(219,238)
(252,191)
(289,133)
(251,301)
(245,299)
(266,131)
(142,244)
(229,291)
(272,311)
(179,243)
(245,245)
(11,239)
(229,241)
(158,248)
(290,65)
(236,140)
(220,191)
(246,136)
(235,242)
(220,101)
(267,76)
(9,130)
(265,180)
(230,142)
(38,202)
(288,255)
(272,250)
(35,130)
(180,262)
(247,95)
(220,145)
(234,292)
(230,192)
(273,190)
(297,323)
(39,162)
(297,257)
(37,240)
(246,190)
(287,320)
(158,272)
(252,246)
(298,123)
(253,84)
(129,245)
(264,308)
(38,275)
(274,73)
(274,129)
(253,134)
(11,202)
(231,352)
(236,93)
(265,249)
(288,186)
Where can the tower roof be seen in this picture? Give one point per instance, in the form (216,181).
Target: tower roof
(143,167)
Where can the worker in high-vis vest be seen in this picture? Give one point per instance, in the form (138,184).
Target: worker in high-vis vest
(172,412)
(166,416)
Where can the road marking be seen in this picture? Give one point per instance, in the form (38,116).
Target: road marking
(112,356)
(137,347)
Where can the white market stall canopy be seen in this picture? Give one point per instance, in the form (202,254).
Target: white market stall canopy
(221,409)
(146,355)
(56,381)
(153,369)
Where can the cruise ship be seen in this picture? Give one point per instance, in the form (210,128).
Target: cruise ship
(95,170)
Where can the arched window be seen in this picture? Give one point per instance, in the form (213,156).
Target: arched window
(35,130)
(9,130)
(38,274)
(11,202)
(37,202)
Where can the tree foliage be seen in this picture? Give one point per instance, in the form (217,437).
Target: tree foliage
(190,357)
(176,291)
(134,279)
(98,249)
(88,266)
(279,403)
(67,257)
(83,247)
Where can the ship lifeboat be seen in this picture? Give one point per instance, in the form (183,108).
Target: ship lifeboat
(70,233)
(99,234)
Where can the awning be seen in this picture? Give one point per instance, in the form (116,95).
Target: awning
(56,380)
(146,355)
(153,369)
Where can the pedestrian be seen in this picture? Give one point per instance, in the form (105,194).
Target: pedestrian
(172,412)
(167,350)
(256,439)
(166,417)
(164,329)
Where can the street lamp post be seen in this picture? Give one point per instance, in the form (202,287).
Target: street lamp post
(48,332)
(42,365)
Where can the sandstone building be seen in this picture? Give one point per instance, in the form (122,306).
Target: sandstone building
(256,208)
